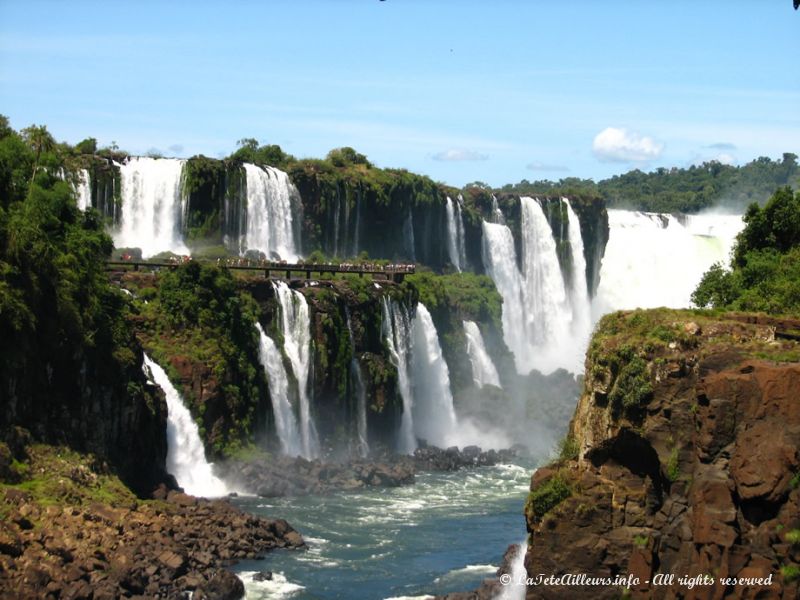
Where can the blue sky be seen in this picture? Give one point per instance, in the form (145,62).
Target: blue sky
(459,90)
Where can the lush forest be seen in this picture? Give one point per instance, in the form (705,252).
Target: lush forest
(765,272)
(690,190)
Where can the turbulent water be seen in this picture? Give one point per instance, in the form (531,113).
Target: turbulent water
(278,381)
(657,260)
(270,226)
(296,330)
(186,459)
(483,369)
(152,206)
(445,533)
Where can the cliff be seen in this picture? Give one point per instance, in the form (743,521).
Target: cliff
(682,459)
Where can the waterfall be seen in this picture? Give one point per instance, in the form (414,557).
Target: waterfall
(434,415)
(83,190)
(408,237)
(656,260)
(296,330)
(396,329)
(537,312)
(152,206)
(455,234)
(285,421)
(581,325)
(515,589)
(500,262)
(483,369)
(186,459)
(269,227)
(497,214)
(360,391)
(357,228)
(462,243)
(361,398)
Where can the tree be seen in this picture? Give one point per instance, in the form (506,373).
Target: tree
(40,141)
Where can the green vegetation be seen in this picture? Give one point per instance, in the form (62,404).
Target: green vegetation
(679,190)
(464,295)
(632,387)
(673,467)
(765,275)
(199,316)
(547,495)
(790,573)
(568,448)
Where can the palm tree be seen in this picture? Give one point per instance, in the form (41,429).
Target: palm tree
(40,141)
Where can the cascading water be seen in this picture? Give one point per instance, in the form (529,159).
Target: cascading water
(360,391)
(278,381)
(361,398)
(456,249)
(152,206)
(186,459)
(408,237)
(396,330)
(269,225)
(500,262)
(483,369)
(515,589)
(83,190)
(656,260)
(540,320)
(434,415)
(296,330)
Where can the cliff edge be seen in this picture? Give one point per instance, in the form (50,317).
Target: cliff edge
(680,477)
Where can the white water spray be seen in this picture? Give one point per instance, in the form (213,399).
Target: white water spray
(152,206)
(269,224)
(434,415)
(456,249)
(186,459)
(396,329)
(278,381)
(656,260)
(83,190)
(296,329)
(483,369)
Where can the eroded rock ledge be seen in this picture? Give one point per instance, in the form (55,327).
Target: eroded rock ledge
(69,531)
(683,458)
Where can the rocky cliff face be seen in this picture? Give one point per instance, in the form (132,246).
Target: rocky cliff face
(683,459)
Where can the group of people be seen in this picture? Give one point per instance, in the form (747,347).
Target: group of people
(263,263)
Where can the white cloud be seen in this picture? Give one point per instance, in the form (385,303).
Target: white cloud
(620,145)
(538,166)
(459,154)
(175,148)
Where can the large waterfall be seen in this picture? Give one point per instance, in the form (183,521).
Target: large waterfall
(396,329)
(483,369)
(285,420)
(186,459)
(434,415)
(270,226)
(152,206)
(657,260)
(542,323)
(456,249)
(296,330)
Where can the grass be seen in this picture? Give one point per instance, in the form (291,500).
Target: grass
(548,495)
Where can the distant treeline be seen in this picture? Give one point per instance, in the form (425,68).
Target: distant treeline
(711,184)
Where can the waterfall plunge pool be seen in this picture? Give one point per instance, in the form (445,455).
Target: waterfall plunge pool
(446,533)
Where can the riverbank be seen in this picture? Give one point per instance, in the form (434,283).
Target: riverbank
(71,529)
